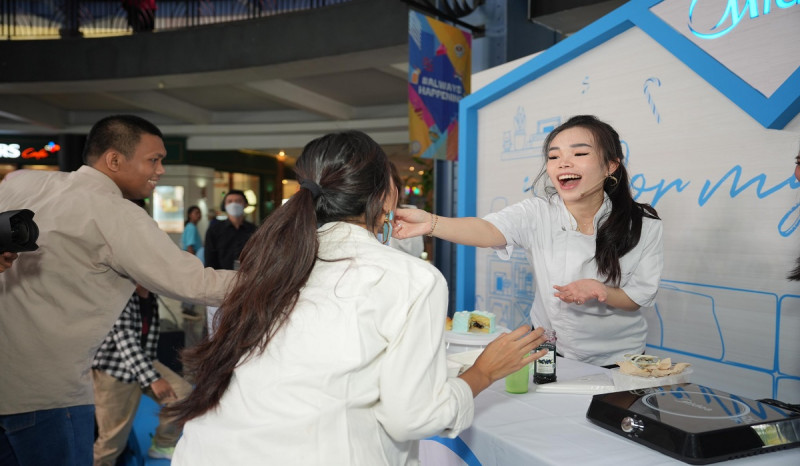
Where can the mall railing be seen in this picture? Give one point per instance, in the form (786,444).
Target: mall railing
(52,19)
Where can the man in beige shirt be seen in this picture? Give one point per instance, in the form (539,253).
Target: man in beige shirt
(59,302)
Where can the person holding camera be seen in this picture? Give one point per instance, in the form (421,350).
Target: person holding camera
(59,302)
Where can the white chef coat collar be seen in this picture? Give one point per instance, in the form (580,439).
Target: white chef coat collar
(568,222)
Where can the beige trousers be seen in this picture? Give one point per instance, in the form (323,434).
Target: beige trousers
(115,408)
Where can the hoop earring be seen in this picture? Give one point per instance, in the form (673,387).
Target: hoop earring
(613,180)
(387,227)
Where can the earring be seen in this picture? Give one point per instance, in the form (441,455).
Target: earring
(387,227)
(613,181)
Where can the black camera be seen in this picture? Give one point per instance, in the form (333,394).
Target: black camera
(18,232)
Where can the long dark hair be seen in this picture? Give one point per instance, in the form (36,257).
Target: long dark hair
(352,175)
(189,213)
(795,274)
(622,228)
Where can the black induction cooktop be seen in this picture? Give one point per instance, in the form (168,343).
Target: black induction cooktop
(696,424)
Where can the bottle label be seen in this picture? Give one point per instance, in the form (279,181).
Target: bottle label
(546,364)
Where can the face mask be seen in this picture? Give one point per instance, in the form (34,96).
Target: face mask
(234,209)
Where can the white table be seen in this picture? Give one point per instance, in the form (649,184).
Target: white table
(552,429)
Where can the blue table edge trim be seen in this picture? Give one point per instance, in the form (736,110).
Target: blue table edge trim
(459,447)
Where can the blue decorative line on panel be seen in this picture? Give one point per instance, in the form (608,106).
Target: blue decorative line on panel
(713,314)
(518,144)
(509,289)
(775,371)
(650,101)
(736,172)
(639,186)
(460,448)
(773,112)
(778,318)
(660,325)
(788,230)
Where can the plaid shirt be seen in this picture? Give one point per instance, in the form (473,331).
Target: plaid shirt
(121,354)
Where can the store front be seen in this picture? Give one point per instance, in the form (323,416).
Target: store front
(29,152)
(200,178)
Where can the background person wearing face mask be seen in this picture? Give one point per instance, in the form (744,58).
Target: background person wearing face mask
(225,240)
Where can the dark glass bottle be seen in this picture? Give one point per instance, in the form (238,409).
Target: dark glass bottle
(544,368)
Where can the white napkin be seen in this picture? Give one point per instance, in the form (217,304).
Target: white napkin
(585,385)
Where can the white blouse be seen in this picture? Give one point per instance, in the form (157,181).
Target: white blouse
(356,376)
(593,332)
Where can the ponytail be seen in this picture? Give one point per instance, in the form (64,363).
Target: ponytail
(264,293)
(622,229)
(345,177)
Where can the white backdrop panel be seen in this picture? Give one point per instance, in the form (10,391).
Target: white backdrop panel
(721,182)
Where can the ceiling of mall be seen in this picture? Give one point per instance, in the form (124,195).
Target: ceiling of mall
(266,108)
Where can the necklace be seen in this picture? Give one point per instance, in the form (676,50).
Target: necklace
(577,228)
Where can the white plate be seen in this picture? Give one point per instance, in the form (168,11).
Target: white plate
(584,385)
(473,339)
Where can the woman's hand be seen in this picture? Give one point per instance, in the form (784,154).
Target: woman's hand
(581,291)
(409,223)
(506,354)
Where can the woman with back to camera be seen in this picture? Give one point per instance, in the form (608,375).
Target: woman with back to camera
(329,348)
(588,239)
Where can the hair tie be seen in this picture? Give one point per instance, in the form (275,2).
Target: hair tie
(315,189)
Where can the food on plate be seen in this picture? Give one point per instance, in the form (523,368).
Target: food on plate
(472,322)
(645,365)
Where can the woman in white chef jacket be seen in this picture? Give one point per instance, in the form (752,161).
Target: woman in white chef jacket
(329,348)
(596,253)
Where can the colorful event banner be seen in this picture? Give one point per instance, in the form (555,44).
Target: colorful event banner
(438,77)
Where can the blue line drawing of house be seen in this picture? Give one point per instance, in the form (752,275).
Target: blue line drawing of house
(510,289)
(517,144)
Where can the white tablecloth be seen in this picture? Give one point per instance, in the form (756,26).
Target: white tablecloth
(552,429)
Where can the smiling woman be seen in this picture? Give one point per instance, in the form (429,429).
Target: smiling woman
(587,238)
